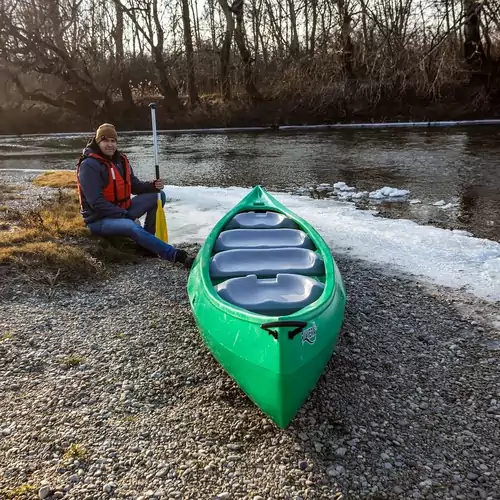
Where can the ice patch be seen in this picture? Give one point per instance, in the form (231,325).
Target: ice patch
(389,192)
(342,186)
(361,194)
(447,257)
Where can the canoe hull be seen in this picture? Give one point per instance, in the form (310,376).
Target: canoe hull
(276,366)
(276,374)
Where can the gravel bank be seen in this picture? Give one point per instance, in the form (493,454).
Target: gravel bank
(28,195)
(108,392)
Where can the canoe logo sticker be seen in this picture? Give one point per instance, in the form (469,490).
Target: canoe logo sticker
(309,335)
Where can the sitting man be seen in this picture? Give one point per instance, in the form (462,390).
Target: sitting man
(106,182)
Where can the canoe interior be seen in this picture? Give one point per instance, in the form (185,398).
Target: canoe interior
(264,233)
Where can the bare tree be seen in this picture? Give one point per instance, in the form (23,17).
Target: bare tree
(35,39)
(247,59)
(120,59)
(145,18)
(188,42)
(320,55)
(473,45)
(225,51)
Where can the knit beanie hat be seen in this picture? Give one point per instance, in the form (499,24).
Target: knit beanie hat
(106,130)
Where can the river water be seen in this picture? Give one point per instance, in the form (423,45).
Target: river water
(454,167)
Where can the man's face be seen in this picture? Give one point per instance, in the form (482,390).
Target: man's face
(107,146)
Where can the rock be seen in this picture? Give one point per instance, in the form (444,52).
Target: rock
(303,465)
(44,492)
(108,488)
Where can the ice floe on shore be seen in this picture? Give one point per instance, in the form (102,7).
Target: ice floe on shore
(343,192)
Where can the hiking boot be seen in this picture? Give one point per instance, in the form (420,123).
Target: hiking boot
(183,258)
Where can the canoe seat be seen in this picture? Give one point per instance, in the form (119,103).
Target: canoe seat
(260,220)
(262,238)
(266,262)
(285,294)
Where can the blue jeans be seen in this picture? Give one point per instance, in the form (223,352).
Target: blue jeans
(143,236)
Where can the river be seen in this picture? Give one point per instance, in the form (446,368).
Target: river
(452,171)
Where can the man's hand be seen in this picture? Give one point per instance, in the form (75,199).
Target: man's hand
(159,184)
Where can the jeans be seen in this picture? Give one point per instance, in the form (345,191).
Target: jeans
(143,236)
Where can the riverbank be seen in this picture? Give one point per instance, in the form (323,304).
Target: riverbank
(109,392)
(272,113)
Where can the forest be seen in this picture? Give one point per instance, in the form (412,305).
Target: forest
(67,65)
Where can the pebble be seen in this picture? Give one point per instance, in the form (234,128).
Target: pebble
(43,492)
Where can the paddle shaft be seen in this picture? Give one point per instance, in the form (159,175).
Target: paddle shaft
(155,138)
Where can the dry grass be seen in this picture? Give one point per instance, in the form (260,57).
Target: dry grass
(51,243)
(59,179)
(66,260)
(57,218)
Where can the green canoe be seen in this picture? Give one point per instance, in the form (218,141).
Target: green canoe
(269,302)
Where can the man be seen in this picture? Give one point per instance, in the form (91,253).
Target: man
(106,182)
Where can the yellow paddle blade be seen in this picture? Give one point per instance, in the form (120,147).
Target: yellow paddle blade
(161,223)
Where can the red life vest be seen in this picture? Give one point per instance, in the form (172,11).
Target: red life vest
(118,189)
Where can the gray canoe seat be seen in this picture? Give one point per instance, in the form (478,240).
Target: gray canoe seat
(260,220)
(285,294)
(266,262)
(262,238)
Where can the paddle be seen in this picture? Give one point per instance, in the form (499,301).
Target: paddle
(161,220)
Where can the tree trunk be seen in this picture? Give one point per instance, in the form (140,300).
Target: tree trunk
(120,59)
(225,52)
(166,88)
(275,30)
(188,42)
(239,36)
(346,39)
(196,23)
(169,92)
(473,47)
(312,43)
(211,14)
(294,36)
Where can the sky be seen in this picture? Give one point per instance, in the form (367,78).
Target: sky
(439,256)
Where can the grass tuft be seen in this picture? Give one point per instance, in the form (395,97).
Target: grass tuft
(5,336)
(59,179)
(74,452)
(71,361)
(22,491)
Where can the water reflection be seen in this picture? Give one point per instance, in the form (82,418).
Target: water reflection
(454,165)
